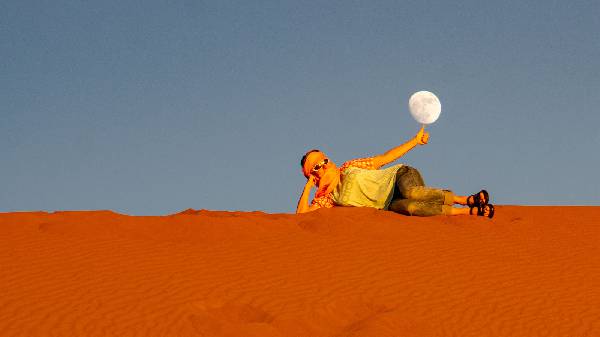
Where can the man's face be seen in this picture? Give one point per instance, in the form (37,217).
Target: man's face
(318,165)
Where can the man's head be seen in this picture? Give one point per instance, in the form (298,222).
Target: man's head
(316,163)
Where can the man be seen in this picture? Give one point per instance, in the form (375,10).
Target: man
(362,183)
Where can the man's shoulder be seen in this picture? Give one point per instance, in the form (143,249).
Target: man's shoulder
(365,163)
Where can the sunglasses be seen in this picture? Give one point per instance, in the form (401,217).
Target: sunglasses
(319,165)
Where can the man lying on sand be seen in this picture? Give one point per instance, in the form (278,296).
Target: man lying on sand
(399,188)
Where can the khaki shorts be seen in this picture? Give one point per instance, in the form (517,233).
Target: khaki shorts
(412,197)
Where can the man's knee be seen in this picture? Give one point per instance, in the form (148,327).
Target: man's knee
(419,208)
(406,178)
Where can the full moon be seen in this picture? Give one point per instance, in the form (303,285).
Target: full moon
(425,107)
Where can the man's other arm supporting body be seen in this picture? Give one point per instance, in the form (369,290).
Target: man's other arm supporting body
(303,205)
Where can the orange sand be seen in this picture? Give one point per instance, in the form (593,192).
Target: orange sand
(531,271)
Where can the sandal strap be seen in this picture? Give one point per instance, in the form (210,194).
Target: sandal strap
(481,210)
(475,200)
(491,211)
(486,195)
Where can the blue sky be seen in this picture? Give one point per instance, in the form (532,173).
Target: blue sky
(152,107)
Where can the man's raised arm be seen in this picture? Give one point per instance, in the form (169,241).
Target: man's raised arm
(421,138)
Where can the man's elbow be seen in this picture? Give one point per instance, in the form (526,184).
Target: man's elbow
(307,209)
(302,209)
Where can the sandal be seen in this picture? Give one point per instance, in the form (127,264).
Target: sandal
(481,210)
(475,200)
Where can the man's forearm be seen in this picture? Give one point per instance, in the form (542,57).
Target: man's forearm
(398,151)
(303,205)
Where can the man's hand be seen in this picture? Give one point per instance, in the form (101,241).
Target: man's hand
(422,137)
(310,182)
(303,205)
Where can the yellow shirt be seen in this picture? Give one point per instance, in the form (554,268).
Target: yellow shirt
(361,187)
(326,201)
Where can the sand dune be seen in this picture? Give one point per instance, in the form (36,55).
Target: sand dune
(531,271)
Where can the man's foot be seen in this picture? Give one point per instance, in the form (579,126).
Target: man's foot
(478,199)
(484,210)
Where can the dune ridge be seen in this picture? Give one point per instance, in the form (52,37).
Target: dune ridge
(530,271)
